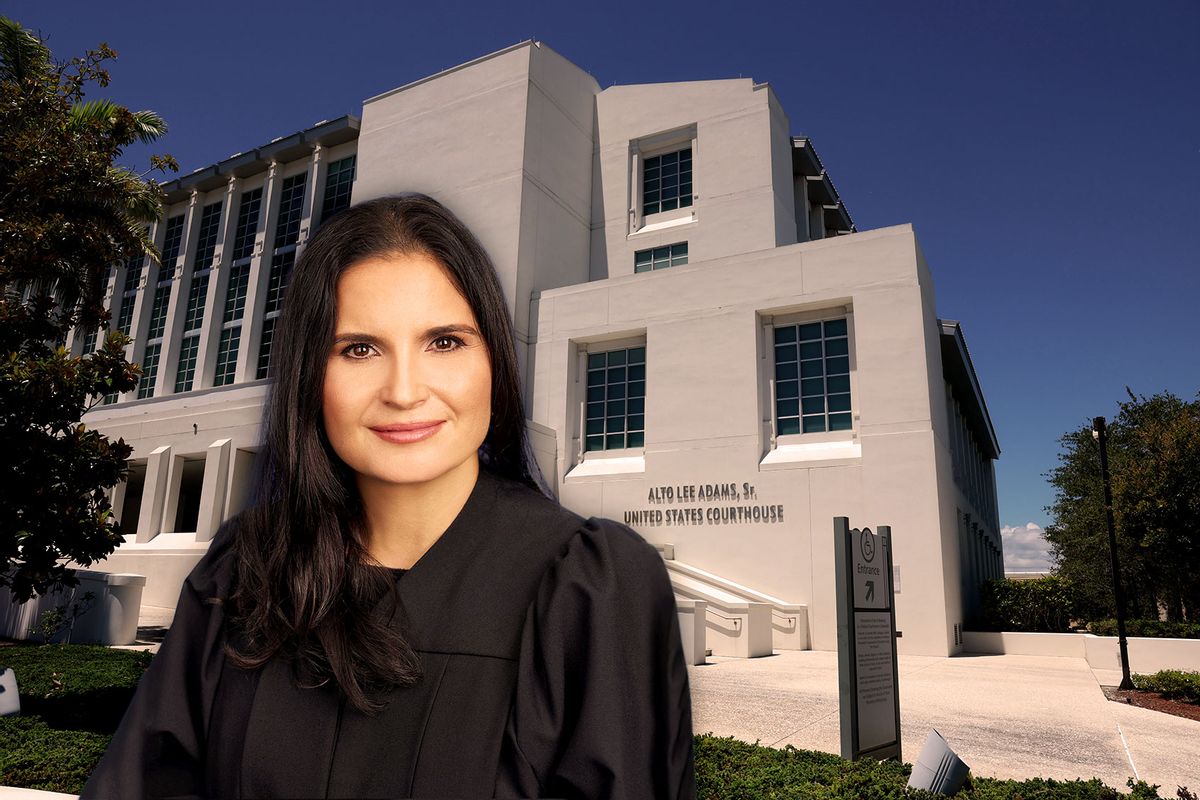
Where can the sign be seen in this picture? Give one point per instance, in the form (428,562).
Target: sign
(693,504)
(867,668)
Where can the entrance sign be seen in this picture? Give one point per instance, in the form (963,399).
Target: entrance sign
(867,669)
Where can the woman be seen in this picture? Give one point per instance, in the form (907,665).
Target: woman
(401,613)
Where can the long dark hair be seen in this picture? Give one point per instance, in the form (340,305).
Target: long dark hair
(306,587)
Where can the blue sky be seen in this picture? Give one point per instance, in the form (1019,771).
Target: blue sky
(1047,153)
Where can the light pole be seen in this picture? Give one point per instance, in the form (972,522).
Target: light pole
(1099,434)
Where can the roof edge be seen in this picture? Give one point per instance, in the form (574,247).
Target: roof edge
(952,331)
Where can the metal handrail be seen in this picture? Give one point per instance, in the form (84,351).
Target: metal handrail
(735,620)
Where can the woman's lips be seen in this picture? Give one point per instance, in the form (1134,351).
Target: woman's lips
(405,434)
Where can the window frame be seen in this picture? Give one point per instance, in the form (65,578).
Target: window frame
(769,321)
(650,147)
(672,257)
(578,425)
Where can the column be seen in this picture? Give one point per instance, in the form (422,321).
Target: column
(177,306)
(214,491)
(241,481)
(142,307)
(116,498)
(174,490)
(260,275)
(218,283)
(310,199)
(154,494)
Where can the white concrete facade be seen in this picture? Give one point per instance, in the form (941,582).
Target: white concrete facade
(736,232)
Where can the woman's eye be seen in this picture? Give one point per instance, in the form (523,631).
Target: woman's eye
(358,350)
(446,343)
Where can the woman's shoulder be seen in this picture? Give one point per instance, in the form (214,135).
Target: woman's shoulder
(574,535)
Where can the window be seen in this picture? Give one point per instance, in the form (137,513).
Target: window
(339,178)
(172,243)
(615,405)
(206,243)
(671,255)
(812,377)
(249,209)
(187,363)
(149,370)
(667,182)
(247,224)
(133,277)
(227,353)
(287,231)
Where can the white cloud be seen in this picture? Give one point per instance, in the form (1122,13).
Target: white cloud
(1025,548)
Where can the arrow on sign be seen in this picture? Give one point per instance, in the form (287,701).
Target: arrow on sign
(870,590)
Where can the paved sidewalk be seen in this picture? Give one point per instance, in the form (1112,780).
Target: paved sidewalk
(1006,716)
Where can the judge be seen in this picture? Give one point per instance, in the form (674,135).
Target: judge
(401,612)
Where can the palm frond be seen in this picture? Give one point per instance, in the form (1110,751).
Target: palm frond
(148,125)
(22,53)
(94,112)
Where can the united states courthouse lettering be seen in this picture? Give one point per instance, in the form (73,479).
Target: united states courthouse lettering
(711,351)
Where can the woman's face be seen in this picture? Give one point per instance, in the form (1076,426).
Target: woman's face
(408,384)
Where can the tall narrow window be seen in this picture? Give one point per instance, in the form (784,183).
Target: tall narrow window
(189,347)
(339,179)
(671,255)
(133,277)
(235,292)
(615,415)
(812,377)
(287,232)
(667,182)
(172,242)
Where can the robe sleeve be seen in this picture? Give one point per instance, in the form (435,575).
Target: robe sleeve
(158,749)
(602,707)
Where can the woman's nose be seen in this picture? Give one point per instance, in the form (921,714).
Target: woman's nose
(406,383)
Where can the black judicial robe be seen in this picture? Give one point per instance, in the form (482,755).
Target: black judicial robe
(552,667)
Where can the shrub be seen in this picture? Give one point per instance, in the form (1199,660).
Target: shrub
(1043,605)
(34,755)
(1147,627)
(1171,683)
(728,769)
(75,686)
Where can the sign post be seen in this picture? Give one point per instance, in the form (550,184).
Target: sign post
(868,679)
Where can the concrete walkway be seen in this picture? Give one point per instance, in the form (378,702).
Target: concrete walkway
(1006,716)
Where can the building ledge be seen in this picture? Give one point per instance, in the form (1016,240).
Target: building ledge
(597,467)
(664,224)
(813,454)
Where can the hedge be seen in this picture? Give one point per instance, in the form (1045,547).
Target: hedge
(75,686)
(57,751)
(1171,683)
(1043,605)
(729,769)
(1147,627)
(35,755)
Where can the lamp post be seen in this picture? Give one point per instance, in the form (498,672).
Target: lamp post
(1099,434)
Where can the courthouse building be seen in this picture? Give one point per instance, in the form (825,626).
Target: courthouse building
(711,351)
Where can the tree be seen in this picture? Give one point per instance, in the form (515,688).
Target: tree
(1154,463)
(67,213)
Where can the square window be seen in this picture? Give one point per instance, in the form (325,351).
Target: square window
(667,181)
(616,394)
(820,400)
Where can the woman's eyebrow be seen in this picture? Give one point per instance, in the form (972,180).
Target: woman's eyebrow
(439,330)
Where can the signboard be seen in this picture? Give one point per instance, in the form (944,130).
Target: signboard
(867,669)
